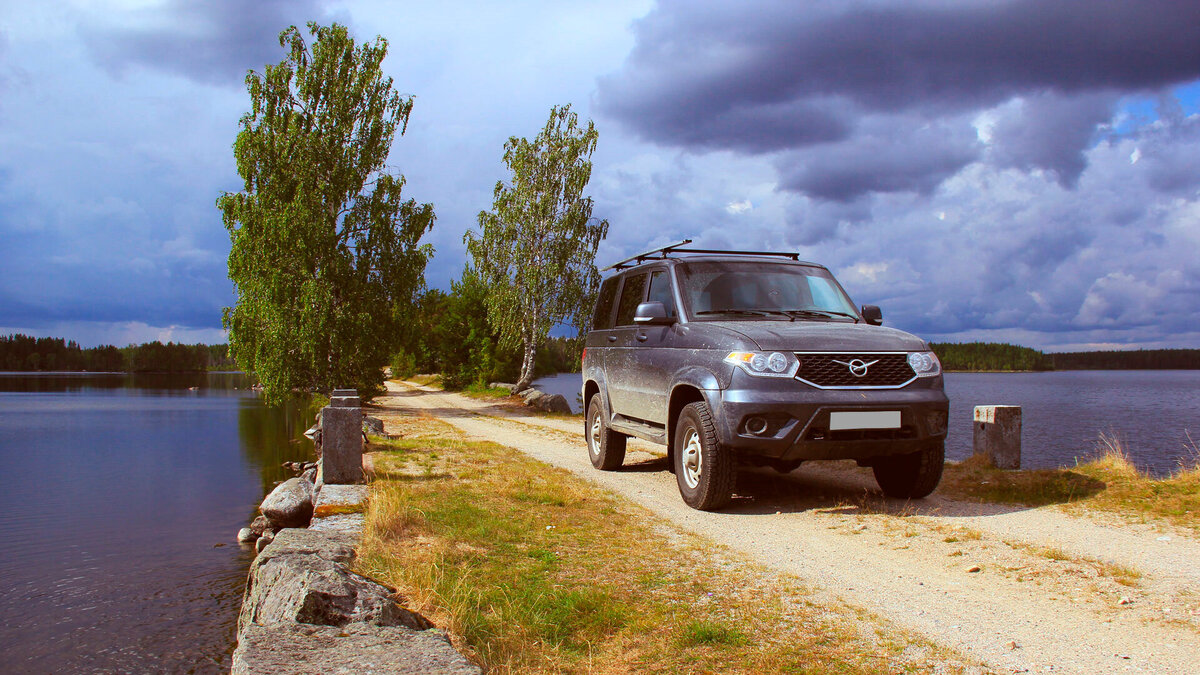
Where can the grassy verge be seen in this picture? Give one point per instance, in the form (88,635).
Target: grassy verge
(533,570)
(1110,482)
(483,391)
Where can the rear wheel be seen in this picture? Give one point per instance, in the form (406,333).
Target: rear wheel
(911,476)
(606,448)
(704,469)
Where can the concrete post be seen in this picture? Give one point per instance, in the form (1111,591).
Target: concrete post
(998,434)
(341,439)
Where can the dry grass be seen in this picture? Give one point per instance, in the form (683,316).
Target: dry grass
(1109,482)
(426,379)
(533,570)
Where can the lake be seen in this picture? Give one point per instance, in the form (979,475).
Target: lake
(1062,412)
(122,499)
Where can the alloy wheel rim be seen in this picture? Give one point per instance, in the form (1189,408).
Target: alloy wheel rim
(595,435)
(692,460)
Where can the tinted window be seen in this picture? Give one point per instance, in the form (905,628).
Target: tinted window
(757,289)
(604,305)
(660,291)
(631,296)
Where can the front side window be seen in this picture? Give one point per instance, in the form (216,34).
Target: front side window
(660,291)
(631,296)
(720,291)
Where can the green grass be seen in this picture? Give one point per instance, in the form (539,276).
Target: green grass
(1108,482)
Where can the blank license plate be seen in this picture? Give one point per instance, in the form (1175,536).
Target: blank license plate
(875,419)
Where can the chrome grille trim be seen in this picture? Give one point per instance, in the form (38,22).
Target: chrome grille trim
(826,375)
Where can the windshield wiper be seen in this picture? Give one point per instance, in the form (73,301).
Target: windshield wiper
(744,312)
(821,313)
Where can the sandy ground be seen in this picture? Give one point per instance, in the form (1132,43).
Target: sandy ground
(1020,589)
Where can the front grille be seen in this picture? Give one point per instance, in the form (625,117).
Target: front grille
(823,370)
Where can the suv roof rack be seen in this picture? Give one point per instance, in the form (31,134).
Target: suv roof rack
(665,251)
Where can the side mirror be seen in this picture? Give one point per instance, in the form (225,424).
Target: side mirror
(872,315)
(652,314)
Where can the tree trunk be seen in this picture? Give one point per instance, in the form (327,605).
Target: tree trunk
(527,363)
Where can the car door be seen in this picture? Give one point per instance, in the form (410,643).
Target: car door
(619,366)
(652,354)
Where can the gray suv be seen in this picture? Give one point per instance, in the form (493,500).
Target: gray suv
(756,358)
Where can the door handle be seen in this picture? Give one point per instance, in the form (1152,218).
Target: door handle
(642,337)
(612,338)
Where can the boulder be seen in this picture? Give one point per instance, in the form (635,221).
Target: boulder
(246,535)
(264,541)
(373,426)
(532,395)
(290,504)
(503,385)
(305,579)
(310,475)
(556,403)
(355,648)
(260,525)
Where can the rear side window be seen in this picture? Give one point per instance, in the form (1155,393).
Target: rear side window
(604,305)
(660,291)
(631,296)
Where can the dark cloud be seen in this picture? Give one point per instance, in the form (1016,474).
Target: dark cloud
(893,159)
(767,76)
(214,42)
(1050,131)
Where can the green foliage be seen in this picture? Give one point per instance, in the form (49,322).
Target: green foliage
(325,252)
(1141,359)
(25,353)
(990,356)
(536,248)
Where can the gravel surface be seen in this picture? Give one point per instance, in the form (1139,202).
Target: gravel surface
(1021,589)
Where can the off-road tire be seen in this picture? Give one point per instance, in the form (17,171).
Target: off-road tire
(704,469)
(606,448)
(911,476)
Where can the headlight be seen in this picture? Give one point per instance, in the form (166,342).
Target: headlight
(765,364)
(925,364)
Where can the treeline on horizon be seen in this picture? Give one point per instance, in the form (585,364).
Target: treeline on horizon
(23,353)
(995,356)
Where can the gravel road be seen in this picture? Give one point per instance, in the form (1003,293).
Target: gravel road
(1020,589)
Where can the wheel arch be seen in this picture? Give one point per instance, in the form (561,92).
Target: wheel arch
(681,395)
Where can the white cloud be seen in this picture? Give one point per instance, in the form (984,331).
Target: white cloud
(739,207)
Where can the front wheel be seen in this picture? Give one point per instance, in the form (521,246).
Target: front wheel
(606,448)
(704,469)
(911,476)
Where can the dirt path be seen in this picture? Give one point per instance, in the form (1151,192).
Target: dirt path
(1023,590)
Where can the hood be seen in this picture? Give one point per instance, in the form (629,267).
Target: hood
(822,336)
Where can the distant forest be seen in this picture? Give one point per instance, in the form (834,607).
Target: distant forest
(29,354)
(993,356)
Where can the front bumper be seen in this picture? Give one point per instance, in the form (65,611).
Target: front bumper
(797,418)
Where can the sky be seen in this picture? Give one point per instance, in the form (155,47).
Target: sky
(1023,171)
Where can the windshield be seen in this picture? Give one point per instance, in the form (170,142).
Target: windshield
(718,291)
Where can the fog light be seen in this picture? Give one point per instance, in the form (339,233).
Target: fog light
(756,426)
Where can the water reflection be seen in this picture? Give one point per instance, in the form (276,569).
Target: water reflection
(123,494)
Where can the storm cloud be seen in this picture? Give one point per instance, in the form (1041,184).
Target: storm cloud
(213,42)
(767,77)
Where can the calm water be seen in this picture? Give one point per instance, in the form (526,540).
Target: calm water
(121,499)
(1062,413)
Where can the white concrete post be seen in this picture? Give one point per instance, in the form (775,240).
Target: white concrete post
(998,434)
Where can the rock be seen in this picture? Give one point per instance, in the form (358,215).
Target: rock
(1124,601)
(304,578)
(261,524)
(974,568)
(246,535)
(556,403)
(532,395)
(503,385)
(310,475)
(264,541)
(290,504)
(1012,644)
(373,426)
(356,648)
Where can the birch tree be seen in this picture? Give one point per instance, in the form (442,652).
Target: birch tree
(325,251)
(536,249)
